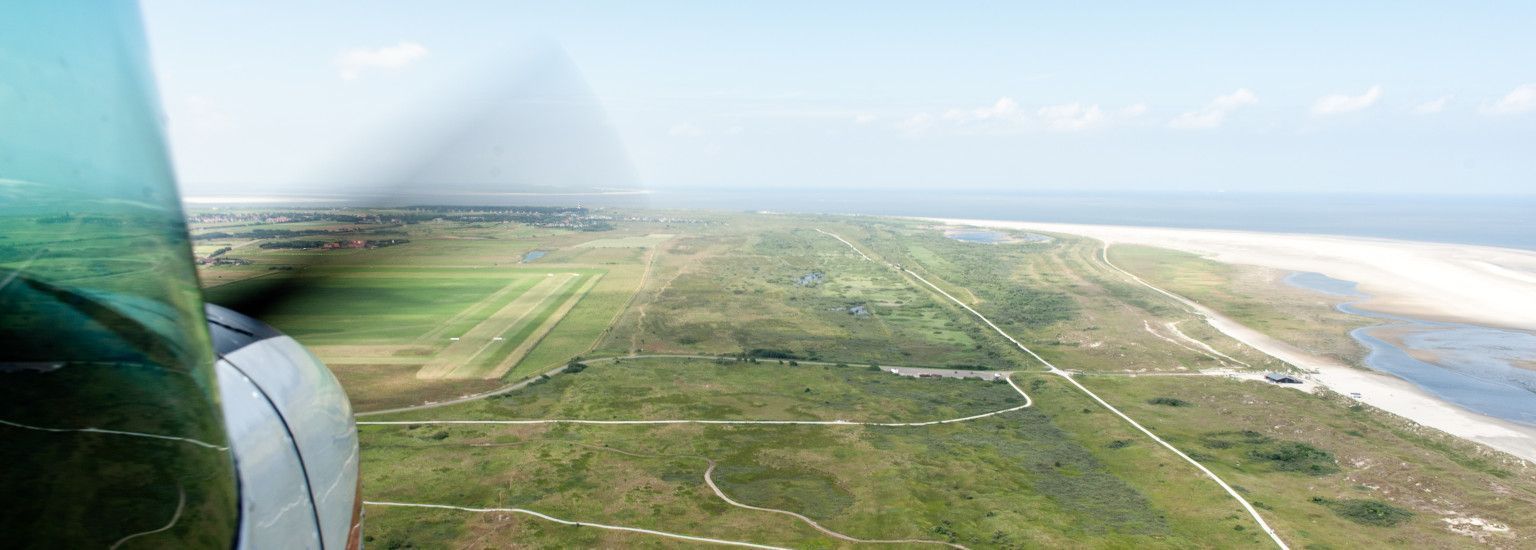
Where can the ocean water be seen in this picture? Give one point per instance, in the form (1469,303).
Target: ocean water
(1475,367)
(1508,221)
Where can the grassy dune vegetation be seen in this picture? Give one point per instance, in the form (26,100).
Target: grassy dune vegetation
(1325,472)
(1286,449)
(1255,296)
(704,389)
(1014,480)
(780,287)
(1059,299)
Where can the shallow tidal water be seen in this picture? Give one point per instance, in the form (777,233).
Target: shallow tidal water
(1478,368)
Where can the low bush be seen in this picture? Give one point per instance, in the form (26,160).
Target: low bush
(1366,512)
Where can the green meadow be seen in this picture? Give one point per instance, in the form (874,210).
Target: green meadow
(788,321)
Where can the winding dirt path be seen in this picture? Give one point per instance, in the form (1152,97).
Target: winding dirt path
(1027,403)
(548,517)
(1111,408)
(709,479)
(709,472)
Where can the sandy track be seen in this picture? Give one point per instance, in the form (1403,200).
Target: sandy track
(709,473)
(1254,513)
(547,517)
(1376,389)
(710,480)
(1027,403)
(1448,282)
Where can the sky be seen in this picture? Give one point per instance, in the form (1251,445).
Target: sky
(1370,97)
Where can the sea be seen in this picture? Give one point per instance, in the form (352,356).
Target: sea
(1493,220)
(1482,369)
(1506,221)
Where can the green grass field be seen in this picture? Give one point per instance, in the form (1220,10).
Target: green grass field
(480,351)
(731,390)
(787,289)
(385,319)
(1065,472)
(1014,480)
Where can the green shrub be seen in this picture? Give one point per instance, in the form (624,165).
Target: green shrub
(1170,402)
(1366,511)
(1296,457)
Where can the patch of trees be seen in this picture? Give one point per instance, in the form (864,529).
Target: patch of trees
(81,219)
(963,366)
(294,245)
(770,353)
(304,245)
(541,216)
(259,234)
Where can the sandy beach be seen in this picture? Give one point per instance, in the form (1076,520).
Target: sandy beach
(1472,284)
(1446,282)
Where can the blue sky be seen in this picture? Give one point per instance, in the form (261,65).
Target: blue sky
(1400,97)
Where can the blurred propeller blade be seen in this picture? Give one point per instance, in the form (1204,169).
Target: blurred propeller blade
(530,132)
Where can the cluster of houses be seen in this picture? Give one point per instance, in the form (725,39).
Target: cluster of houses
(354,243)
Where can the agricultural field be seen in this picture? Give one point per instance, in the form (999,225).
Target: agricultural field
(456,310)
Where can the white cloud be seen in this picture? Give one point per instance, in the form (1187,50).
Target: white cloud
(1432,106)
(1006,116)
(351,63)
(685,129)
(1216,112)
(1521,100)
(1071,116)
(915,125)
(864,118)
(1005,107)
(1344,103)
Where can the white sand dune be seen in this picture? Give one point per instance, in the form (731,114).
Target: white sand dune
(1473,284)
